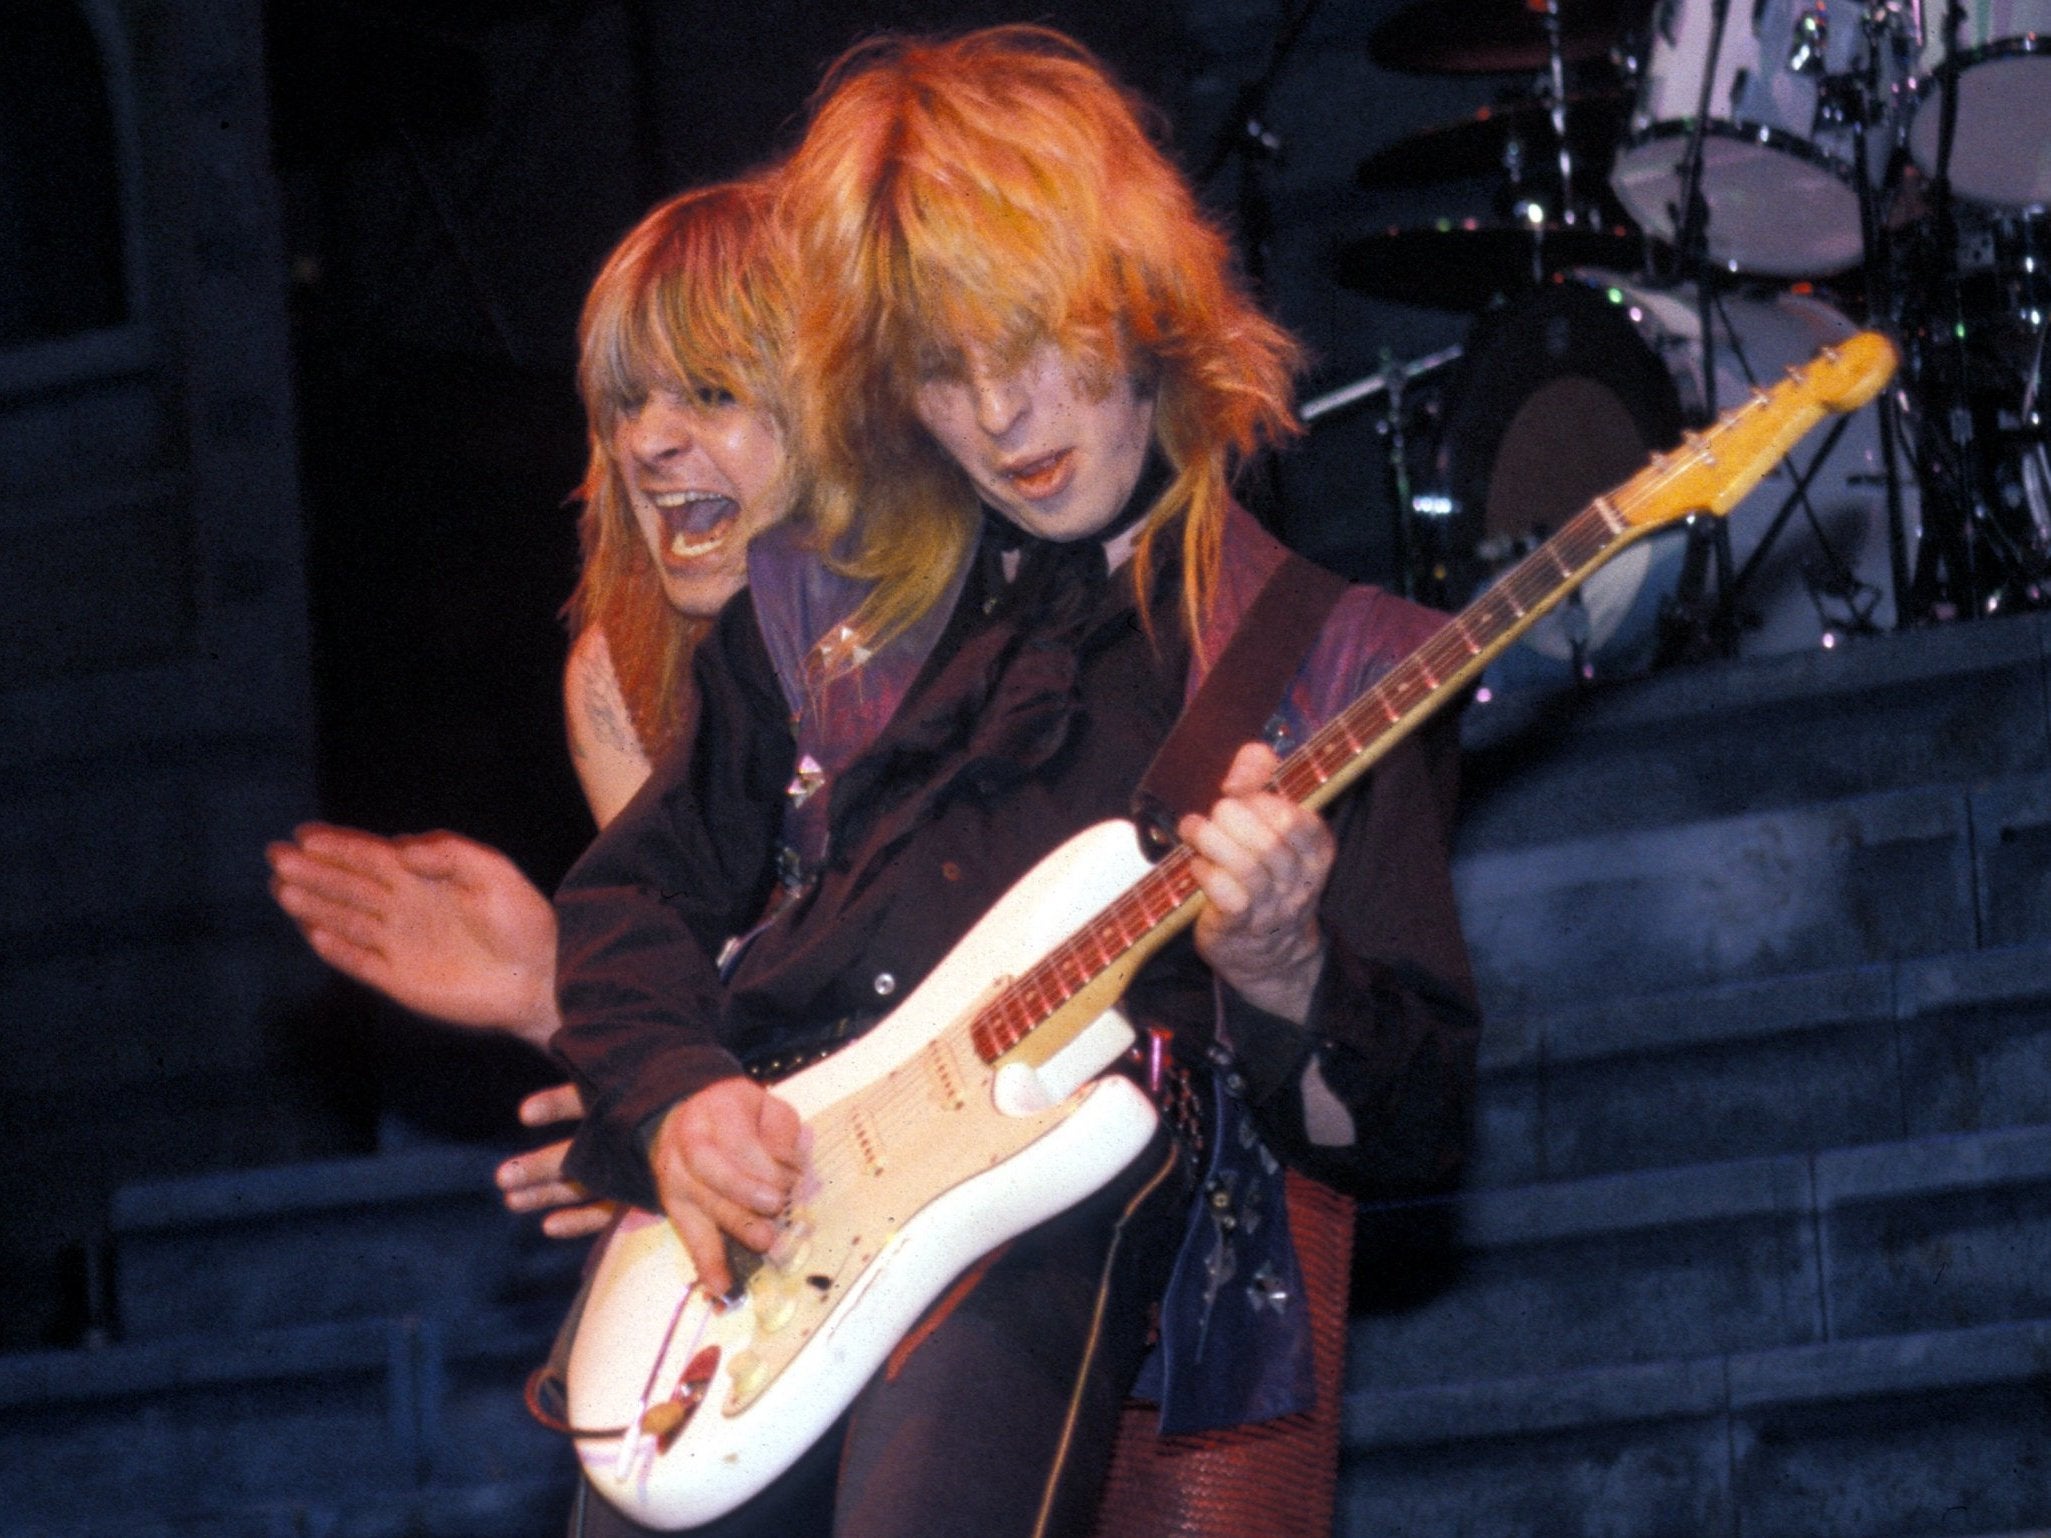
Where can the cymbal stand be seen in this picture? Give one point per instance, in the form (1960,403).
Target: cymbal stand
(1556,92)
(1834,576)
(1851,99)
(1553,90)
(1390,382)
(1945,583)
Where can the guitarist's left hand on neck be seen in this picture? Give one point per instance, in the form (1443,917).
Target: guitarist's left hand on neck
(1263,861)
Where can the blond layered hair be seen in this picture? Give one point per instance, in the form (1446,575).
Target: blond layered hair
(693,299)
(991,191)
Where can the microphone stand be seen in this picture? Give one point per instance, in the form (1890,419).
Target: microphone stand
(1246,135)
(1947,582)
(1881,32)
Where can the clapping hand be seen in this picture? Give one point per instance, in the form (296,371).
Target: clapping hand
(444,925)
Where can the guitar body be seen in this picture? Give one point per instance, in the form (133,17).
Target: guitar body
(924,1158)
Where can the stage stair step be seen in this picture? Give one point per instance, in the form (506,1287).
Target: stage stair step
(1873,1053)
(415,1232)
(1937,1432)
(211,1432)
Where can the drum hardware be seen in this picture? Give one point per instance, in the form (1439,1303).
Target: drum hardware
(1249,138)
(1392,425)
(1565,389)
(1695,620)
(1556,104)
(1832,577)
(1980,455)
(1761,99)
(1886,45)
(1978,439)
(1988,67)
(1787,140)
(1826,73)
(1475,264)
(1392,378)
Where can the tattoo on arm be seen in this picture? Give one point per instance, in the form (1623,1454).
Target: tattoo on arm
(604,708)
(609,724)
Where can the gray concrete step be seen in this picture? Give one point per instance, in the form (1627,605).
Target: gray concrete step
(1951,705)
(1826,884)
(1746,1256)
(1928,1433)
(1835,1058)
(508,1508)
(327,1424)
(417,1232)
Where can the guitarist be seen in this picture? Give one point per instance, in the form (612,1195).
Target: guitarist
(1022,371)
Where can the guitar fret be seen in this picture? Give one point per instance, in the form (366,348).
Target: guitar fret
(1034,995)
(1086,949)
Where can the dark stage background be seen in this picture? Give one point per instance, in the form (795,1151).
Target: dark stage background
(1756,1233)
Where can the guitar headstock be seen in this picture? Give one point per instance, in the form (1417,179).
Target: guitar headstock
(1713,471)
(1846,376)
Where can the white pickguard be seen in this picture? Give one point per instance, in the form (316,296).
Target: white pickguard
(924,1158)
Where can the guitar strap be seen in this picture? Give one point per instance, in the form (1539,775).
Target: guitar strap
(1238,694)
(1235,1342)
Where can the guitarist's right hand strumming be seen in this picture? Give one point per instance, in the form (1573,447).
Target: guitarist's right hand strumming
(725,1161)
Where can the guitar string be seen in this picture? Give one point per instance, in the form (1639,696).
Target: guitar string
(1052,982)
(1068,968)
(1452,647)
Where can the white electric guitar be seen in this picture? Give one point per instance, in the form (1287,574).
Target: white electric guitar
(975,1110)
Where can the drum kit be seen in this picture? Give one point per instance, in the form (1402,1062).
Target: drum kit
(1693,195)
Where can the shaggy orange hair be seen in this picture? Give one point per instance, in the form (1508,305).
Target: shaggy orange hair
(693,298)
(989,191)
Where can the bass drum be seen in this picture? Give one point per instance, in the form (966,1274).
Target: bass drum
(1567,393)
(2001,144)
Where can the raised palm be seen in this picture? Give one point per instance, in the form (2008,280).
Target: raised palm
(446,926)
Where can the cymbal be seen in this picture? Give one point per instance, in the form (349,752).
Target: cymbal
(1465,266)
(1483,37)
(1475,146)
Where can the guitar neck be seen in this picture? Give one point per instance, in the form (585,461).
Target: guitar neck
(1165,900)
(1710,473)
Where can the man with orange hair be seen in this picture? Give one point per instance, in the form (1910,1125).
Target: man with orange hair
(1022,375)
